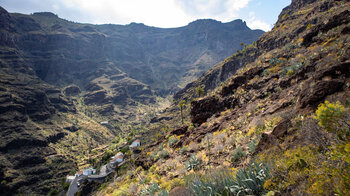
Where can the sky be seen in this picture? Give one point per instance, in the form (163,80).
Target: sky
(259,14)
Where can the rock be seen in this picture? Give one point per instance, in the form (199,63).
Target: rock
(72,128)
(106,109)
(281,129)
(155,119)
(334,71)
(97,97)
(56,137)
(337,20)
(93,87)
(239,80)
(202,109)
(313,95)
(72,90)
(267,141)
(180,191)
(180,131)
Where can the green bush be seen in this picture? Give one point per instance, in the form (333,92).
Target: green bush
(332,118)
(252,145)
(173,140)
(154,155)
(162,154)
(289,71)
(124,149)
(237,154)
(154,189)
(183,150)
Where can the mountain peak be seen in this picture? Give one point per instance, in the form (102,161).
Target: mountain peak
(46,14)
(204,21)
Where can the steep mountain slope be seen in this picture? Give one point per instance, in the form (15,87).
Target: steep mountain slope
(282,34)
(269,111)
(36,122)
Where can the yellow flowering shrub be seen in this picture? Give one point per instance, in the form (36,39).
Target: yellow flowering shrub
(330,115)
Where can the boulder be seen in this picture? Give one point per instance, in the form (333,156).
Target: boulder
(281,129)
(180,191)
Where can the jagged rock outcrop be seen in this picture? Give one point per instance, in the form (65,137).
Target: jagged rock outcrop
(266,75)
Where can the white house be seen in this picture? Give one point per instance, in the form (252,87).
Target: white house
(89,171)
(104,123)
(118,158)
(135,143)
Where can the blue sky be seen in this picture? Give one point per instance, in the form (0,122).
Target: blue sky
(259,14)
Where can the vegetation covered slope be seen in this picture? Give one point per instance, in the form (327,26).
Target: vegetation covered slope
(263,129)
(42,133)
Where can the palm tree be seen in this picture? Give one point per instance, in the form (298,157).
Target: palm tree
(182,105)
(199,91)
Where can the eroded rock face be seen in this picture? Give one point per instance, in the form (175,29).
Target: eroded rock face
(97,97)
(337,20)
(313,95)
(180,131)
(27,105)
(201,110)
(72,90)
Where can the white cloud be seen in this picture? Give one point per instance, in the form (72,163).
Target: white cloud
(159,13)
(223,10)
(255,23)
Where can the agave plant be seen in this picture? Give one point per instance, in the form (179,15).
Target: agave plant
(250,181)
(193,163)
(247,181)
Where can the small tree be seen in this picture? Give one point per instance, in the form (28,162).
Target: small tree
(199,91)
(182,105)
(242,45)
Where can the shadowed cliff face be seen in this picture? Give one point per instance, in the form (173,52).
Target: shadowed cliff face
(32,119)
(62,52)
